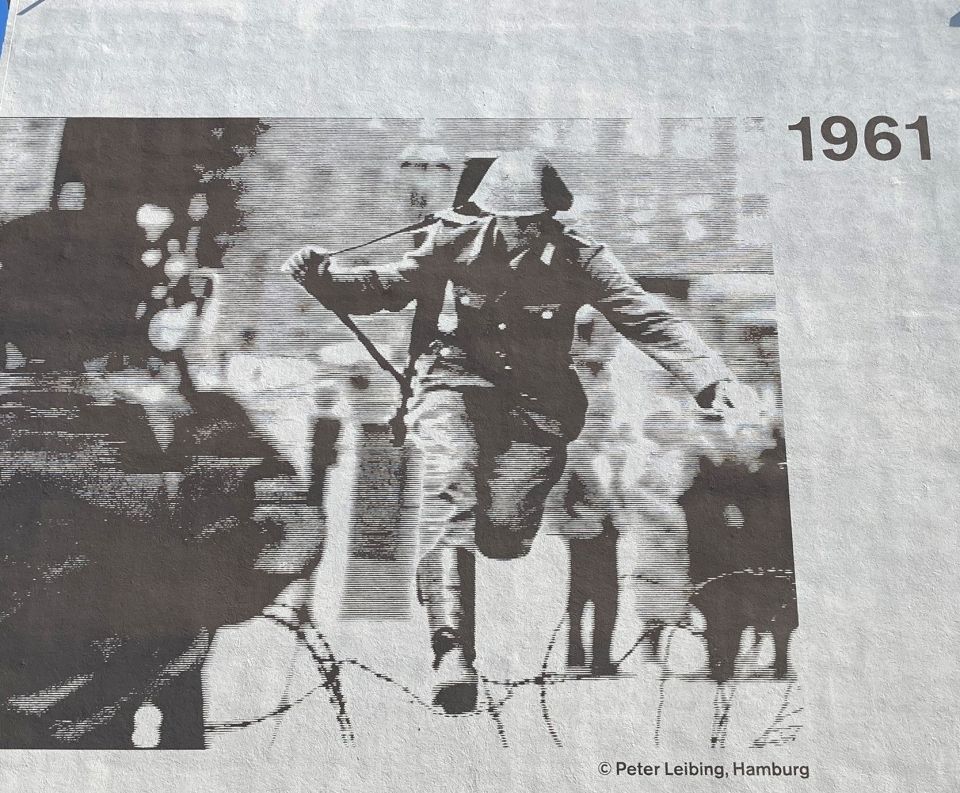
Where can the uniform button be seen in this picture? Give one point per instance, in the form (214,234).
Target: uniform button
(502,326)
(445,352)
(548,314)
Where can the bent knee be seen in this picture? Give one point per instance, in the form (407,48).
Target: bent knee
(504,538)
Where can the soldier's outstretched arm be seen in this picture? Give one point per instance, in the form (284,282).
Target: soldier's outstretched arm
(645,320)
(365,290)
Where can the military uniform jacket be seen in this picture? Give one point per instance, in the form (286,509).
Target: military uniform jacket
(517,291)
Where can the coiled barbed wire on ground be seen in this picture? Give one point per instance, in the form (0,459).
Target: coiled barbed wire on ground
(330,667)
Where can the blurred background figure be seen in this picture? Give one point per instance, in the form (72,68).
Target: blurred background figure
(737,507)
(584,505)
(139,512)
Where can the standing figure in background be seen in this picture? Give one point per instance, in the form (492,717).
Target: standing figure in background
(741,555)
(497,401)
(584,506)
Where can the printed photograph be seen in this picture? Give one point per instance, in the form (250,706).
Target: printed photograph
(442,434)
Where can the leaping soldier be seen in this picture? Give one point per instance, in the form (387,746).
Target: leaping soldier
(495,398)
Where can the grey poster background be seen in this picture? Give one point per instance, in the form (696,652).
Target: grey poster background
(865,268)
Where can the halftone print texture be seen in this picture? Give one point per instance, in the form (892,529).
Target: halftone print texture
(345,431)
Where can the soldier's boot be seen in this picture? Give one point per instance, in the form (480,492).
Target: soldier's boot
(445,586)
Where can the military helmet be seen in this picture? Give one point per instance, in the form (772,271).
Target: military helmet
(519,184)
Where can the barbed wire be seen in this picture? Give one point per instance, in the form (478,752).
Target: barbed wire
(330,668)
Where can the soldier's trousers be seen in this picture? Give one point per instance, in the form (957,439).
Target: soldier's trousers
(489,462)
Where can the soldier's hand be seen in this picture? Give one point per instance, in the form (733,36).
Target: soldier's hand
(308,266)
